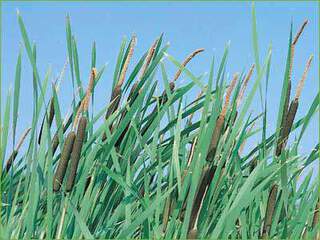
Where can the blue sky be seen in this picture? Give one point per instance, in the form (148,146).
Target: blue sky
(186,26)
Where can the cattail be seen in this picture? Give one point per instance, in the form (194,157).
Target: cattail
(148,58)
(303,78)
(50,119)
(207,176)
(270,210)
(86,100)
(16,150)
(244,86)
(127,61)
(295,40)
(186,61)
(76,152)
(283,121)
(220,121)
(55,140)
(64,160)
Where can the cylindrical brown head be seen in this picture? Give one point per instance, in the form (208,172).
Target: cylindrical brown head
(64,160)
(76,152)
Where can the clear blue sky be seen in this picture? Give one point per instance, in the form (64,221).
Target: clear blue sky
(186,26)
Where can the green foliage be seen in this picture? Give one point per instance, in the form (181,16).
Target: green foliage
(141,169)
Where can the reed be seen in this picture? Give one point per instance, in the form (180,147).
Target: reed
(76,152)
(63,162)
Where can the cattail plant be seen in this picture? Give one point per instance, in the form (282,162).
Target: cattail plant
(164,97)
(287,120)
(117,91)
(16,150)
(81,132)
(73,144)
(63,162)
(76,152)
(208,171)
(132,94)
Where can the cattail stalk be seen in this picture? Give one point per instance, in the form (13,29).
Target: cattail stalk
(64,160)
(76,152)
(16,150)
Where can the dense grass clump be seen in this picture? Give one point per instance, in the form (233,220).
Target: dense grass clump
(158,166)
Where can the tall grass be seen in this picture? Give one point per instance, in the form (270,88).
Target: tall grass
(149,166)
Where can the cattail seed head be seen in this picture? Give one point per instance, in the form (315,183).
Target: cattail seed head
(296,38)
(303,78)
(76,152)
(215,138)
(228,94)
(64,160)
(127,61)
(148,58)
(186,61)
(244,86)
(270,210)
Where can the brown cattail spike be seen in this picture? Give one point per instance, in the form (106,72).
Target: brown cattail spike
(228,94)
(76,152)
(270,210)
(186,61)
(148,58)
(303,78)
(296,38)
(244,86)
(127,61)
(86,100)
(63,163)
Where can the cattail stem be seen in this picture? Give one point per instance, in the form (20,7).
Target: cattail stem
(64,160)
(76,152)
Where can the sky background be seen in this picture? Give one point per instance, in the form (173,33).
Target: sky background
(187,26)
